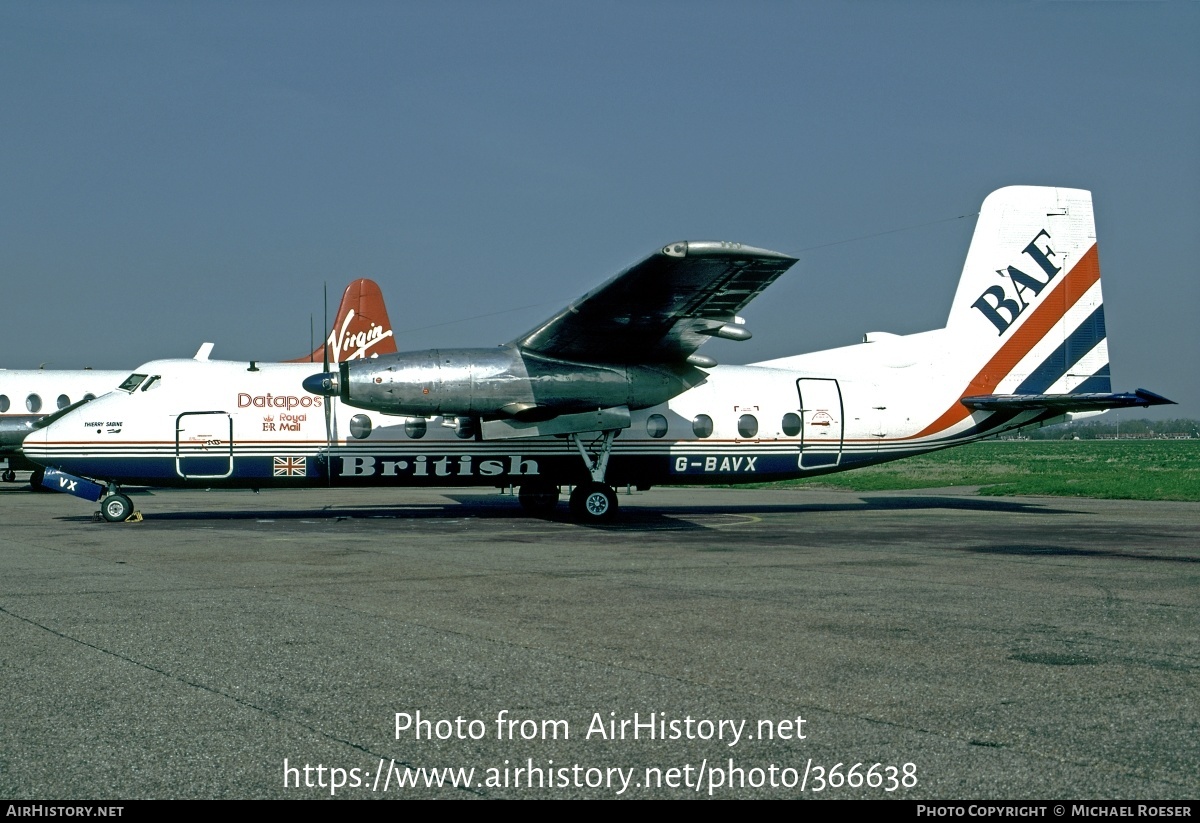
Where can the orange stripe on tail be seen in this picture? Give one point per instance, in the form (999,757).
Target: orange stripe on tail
(1058,302)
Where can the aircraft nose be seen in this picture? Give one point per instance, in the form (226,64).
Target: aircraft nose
(325,383)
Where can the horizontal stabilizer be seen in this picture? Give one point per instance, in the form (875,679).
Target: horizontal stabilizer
(1084,401)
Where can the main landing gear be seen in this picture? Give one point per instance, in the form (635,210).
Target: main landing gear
(596,501)
(9,476)
(591,502)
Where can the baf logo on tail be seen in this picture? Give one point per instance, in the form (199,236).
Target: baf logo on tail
(1003,304)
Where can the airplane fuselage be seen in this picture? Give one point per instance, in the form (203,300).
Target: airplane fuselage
(259,429)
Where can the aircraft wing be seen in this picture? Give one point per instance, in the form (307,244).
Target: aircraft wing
(662,309)
(1084,401)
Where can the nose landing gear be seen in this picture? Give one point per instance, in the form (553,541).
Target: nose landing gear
(116,508)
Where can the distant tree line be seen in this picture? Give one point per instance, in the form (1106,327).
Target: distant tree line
(1101,429)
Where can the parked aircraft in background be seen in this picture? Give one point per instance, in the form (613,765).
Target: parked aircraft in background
(360,329)
(1025,343)
(28,395)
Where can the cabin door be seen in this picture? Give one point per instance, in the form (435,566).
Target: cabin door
(821,423)
(204,445)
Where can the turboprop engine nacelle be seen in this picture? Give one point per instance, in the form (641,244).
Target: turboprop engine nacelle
(495,383)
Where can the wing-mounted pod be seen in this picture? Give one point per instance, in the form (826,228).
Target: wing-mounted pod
(629,344)
(513,394)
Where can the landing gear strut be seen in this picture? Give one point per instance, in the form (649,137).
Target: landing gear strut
(595,501)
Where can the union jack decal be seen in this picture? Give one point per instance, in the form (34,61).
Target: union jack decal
(290,467)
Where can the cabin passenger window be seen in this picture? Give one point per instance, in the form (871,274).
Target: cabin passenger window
(3,403)
(747,425)
(791,424)
(63,401)
(702,425)
(414,427)
(360,427)
(132,382)
(33,403)
(656,425)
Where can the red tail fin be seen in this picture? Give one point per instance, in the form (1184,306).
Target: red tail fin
(361,328)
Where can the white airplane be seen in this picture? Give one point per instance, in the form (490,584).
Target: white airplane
(28,396)
(1024,344)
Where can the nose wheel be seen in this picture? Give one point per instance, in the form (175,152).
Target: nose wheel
(116,508)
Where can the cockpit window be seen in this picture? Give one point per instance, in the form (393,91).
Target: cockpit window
(132,382)
(152,381)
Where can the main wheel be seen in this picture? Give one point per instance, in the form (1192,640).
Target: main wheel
(594,502)
(538,498)
(9,475)
(116,508)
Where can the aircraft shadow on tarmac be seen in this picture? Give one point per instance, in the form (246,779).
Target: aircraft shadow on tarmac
(631,519)
(1048,550)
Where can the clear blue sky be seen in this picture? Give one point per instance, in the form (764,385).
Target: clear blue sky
(178,172)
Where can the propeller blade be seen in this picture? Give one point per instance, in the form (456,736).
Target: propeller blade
(328,400)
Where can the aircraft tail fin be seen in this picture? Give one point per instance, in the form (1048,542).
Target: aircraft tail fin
(360,329)
(1029,309)
(1025,337)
